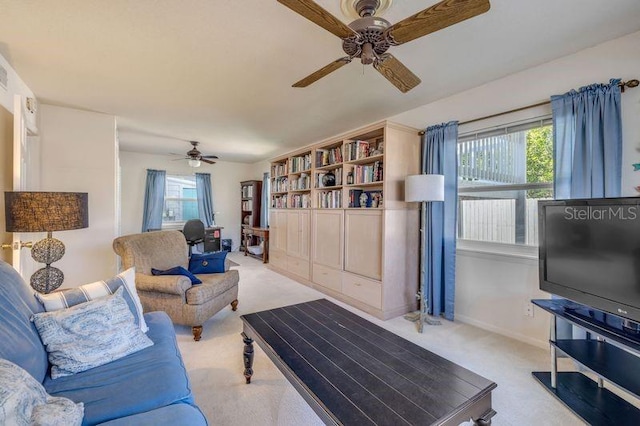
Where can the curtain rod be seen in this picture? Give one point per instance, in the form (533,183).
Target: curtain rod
(622,85)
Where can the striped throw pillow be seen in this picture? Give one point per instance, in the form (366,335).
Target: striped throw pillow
(73,296)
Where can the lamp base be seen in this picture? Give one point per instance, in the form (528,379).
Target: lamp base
(46,279)
(47,250)
(415,317)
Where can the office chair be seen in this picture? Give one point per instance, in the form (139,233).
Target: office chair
(193,232)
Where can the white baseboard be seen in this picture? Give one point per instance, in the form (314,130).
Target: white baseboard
(543,344)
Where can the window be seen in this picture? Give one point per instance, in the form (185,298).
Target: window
(501,176)
(180,200)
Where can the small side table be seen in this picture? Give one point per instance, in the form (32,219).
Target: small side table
(261,233)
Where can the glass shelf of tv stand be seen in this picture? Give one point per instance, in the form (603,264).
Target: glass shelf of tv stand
(590,399)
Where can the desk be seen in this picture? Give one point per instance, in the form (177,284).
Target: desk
(249,233)
(351,371)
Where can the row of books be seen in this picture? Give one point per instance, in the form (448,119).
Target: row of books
(279,202)
(247,191)
(279,169)
(300,163)
(322,182)
(326,157)
(280,184)
(368,173)
(300,201)
(247,206)
(330,199)
(356,150)
(300,182)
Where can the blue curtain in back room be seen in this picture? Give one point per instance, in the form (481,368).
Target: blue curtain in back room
(205,203)
(439,156)
(153,200)
(587,137)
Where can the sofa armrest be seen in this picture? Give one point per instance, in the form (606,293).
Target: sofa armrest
(171,284)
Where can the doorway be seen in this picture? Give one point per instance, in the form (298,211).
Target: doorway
(6,175)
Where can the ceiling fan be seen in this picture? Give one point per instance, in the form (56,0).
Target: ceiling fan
(195,157)
(369,37)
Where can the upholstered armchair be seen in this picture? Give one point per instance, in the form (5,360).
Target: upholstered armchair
(185,303)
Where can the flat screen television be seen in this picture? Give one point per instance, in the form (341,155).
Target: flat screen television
(589,251)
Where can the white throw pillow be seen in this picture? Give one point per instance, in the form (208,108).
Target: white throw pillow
(23,401)
(73,296)
(89,334)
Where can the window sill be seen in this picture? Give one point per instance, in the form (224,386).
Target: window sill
(519,251)
(173,226)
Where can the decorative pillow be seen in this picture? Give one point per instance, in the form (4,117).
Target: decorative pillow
(23,401)
(89,334)
(178,270)
(73,296)
(207,263)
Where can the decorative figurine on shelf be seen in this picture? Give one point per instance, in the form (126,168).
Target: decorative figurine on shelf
(350,178)
(363,200)
(329,179)
(375,201)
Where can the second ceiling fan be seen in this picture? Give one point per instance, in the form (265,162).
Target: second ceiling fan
(369,37)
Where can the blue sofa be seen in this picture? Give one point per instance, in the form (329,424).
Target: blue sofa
(149,387)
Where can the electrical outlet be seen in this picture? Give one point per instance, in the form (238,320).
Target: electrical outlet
(528,309)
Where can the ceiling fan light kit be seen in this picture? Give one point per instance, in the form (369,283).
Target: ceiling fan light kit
(369,36)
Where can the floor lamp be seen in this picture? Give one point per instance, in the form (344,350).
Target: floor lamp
(423,189)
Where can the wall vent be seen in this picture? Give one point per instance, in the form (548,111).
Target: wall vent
(3,77)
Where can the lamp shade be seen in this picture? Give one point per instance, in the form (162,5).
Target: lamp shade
(424,188)
(45,211)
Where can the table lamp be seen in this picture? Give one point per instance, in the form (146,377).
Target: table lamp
(46,212)
(423,188)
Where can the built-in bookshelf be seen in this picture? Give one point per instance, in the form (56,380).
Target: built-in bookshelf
(339,222)
(343,173)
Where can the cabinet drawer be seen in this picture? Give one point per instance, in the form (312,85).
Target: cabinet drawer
(298,266)
(362,289)
(327,277)
(278,258)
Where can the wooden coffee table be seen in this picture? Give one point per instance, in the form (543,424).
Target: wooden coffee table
(351,371)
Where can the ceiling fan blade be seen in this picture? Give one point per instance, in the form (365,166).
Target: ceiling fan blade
(204,160)
(434,18)
(316,14)
(209,156)
(312,78)
(395,71)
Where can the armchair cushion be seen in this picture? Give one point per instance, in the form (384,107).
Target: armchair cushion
(212,286)
(178,270)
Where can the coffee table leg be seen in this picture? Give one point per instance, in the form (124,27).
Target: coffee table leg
(247,356)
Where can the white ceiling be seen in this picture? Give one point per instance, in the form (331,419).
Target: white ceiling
(220,71)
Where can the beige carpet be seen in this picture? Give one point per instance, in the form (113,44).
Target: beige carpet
(215,363)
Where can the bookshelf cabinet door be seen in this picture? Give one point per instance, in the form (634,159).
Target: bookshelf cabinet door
(298,229)
(363,243)
(278,230)
(328,238)
(304,222)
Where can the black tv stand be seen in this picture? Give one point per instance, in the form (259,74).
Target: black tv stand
(609,352)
